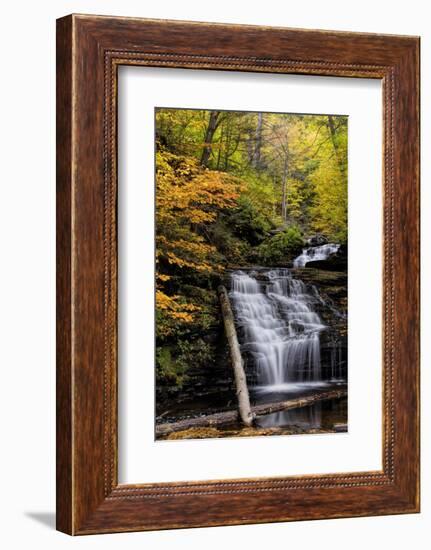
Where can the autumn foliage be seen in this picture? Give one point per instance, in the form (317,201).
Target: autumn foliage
(188,199)
(233,189)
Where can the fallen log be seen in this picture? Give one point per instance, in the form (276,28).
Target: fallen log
(244,409)
(227,417)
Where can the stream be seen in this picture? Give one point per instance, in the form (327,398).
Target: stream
(280,332)
(291,345)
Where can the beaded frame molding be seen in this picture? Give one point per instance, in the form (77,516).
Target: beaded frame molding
(89,51)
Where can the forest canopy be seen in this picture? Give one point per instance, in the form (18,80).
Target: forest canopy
(235,189)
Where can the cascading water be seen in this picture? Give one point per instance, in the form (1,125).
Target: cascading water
(315,253)
(279,326)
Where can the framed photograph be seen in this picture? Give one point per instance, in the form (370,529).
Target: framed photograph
(253,192)
(237,274)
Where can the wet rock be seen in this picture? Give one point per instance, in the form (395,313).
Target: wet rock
(335,262)
(317,240)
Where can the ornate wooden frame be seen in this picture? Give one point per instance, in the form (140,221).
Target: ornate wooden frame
(89,51)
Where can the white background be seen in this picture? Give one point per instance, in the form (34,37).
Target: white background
(141,458)
(27,274)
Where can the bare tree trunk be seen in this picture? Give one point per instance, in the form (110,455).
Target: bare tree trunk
(209,134)
(284,191)
(240,379)
(332,131)
(227,147)
(258,141)
(220,147)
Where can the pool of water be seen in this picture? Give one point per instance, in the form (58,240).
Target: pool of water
(323,415)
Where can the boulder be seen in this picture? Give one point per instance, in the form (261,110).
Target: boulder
(317,240)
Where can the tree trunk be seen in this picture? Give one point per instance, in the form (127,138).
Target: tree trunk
(258,142)
(227,147)
(332,131)
(209,134)
(220,147)
(225,417)
(284,191)
(237,363)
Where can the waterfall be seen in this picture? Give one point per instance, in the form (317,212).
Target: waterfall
(279,327)
(315,253)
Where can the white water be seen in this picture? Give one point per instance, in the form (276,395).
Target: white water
(278,326)
(315,253)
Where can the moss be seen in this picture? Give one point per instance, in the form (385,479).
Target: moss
(211,432)
(173,362)
(280,247)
